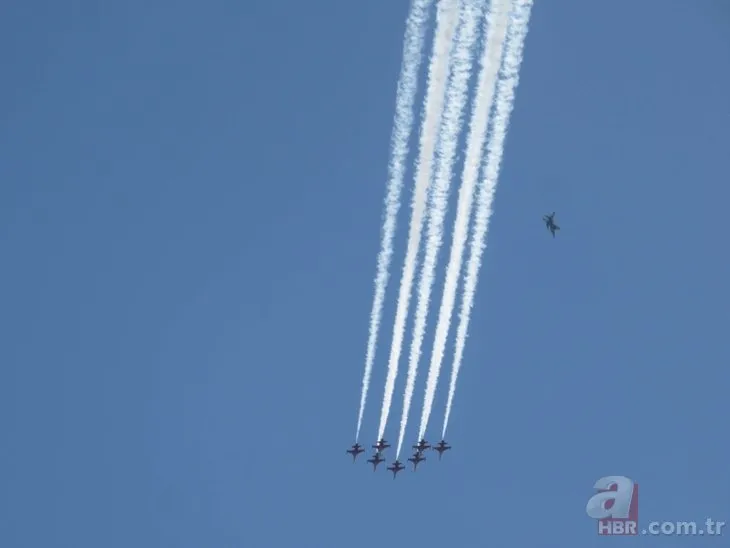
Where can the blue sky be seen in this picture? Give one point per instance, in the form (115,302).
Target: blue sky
(190,200)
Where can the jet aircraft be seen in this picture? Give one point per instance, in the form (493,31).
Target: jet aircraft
(416,458)
(441,447)
(550,223)
(355,451)
(421,446)
(397,467)
(377,459)
(381,445)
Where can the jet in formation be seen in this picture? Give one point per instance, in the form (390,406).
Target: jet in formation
(395,468)
(375,460)
(550,223)
(421,446)
(355,451)
(441,447)
(381,446)
(416,458)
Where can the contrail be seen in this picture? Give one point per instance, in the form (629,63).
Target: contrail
(402,128)
(448,140)
(495,30)
(437,72)
(495,149)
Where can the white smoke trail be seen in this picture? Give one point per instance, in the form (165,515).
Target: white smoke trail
(495,23)
(495,150)
(402,128)
(448,140)
(437,72)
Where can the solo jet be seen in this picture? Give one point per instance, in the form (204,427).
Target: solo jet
(377,459)
(416,458)
(421,446)
(381,445)
(397,467)
(355,451)
(550,223)
(441,447)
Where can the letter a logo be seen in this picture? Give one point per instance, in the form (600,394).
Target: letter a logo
(615,504)
(613,499)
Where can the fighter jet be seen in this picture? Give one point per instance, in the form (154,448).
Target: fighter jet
(381,445)
(416,458)
(377,459)
(397,467)
(550,223)
(441,447)
(421,446)
(355,451)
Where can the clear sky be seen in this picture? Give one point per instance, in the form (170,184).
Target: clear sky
(190,205)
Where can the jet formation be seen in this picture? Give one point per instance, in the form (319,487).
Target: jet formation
(418,455)
(419,448)
(381,445)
